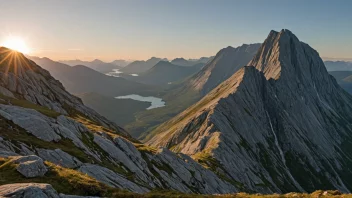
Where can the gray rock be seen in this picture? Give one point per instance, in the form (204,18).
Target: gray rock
(6,92)
(111,178)
(59,157)
(30,166)
(280,124)
(28,190)
(226,62)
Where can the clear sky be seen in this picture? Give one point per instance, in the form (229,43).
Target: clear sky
(139,29)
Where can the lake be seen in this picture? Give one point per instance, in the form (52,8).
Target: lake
(114,73)
(154,101)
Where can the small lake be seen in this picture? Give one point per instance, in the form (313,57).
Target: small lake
(154,101)
(114,73)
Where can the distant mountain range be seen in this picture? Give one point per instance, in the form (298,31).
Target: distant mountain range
(96,64)
(82,79)
(338,65)
(164,73)
(137,67)
(190,62)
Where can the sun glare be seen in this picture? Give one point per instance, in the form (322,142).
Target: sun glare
(16,43)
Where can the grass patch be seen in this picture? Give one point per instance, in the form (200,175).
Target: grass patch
(64,180)
(145,148)
(26,104)
(15,134)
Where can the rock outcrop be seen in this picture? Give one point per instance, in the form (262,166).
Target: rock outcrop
(280,124)
(226,62)
(30,166)
(30,190)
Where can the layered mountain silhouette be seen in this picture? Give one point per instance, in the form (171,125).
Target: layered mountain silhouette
(164,73)
(121,63)
(81,79)
(280,124)
(190,62)
(96,64)
(137,67)
(338,65)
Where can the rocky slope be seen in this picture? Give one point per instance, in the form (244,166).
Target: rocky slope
(280,124)
(184,94)
(48,136)
(226,62)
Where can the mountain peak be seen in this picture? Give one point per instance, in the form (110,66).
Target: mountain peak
(283,55)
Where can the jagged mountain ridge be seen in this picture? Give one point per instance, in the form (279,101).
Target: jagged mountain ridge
(137,67)
(280,124)
(48,135)
(183,94)
(165,72)
(96,64)
(226,62)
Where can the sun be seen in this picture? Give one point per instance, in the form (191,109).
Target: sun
(16,43)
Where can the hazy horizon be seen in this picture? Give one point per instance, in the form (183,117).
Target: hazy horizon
(137,30)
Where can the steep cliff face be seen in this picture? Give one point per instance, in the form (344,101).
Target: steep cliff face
(68,141)
(226,62)
(280,124)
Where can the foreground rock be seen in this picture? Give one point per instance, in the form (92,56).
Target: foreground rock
(30,166)
(28,190)
(33,190)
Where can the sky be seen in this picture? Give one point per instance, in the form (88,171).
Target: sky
(140,29)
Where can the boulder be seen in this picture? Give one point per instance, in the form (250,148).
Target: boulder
(59,157)
(30,166)
(28,190)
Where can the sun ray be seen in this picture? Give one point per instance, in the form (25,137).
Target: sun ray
(17,44)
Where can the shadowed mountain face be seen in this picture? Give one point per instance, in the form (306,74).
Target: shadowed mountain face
(164,73)
(190,62)
(226,62)
(81,79)
(187,92)
(138,67)
(96,64)
(121,63)
(280,124)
